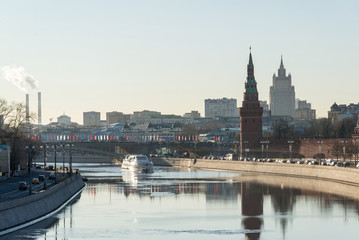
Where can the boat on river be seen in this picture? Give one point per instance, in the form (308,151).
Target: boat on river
(137,163)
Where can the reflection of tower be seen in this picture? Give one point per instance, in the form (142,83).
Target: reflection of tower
(250,112)
(252,208)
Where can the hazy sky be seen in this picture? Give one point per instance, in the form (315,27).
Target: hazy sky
(170,56)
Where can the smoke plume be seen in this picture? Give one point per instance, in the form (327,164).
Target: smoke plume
(19,77)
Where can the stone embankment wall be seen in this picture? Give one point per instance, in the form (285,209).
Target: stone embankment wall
(23,210)
(336,174)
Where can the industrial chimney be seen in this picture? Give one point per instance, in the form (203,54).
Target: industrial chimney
(27,110)
(39,108)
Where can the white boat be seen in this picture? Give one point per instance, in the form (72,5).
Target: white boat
(137,163)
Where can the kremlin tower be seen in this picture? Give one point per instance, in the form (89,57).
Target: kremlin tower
(250,113)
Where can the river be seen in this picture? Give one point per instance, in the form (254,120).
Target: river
(175,203)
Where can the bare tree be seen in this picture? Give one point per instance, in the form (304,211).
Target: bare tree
(337,148)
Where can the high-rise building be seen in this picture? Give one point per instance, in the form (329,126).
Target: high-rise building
(250,112)
(92,119)
(282,95)
(220,107)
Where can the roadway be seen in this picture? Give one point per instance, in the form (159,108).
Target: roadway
(9,189)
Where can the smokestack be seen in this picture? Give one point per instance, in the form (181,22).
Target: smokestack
(27,109)
(39,108)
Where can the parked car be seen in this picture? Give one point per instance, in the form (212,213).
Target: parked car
(339,165)
(300,162)
(38,166)
(35,181)
(41,178)
(22,186)
(346,164)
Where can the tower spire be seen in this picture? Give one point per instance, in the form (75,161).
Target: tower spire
(251,84)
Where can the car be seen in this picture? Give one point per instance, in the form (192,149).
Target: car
(35,181)
(339,165)
(291,161)
(300,162)
(346,164)
(22,186)
(52,176)
(38,166)
(41,178)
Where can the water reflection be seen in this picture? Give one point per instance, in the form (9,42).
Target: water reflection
(177,206)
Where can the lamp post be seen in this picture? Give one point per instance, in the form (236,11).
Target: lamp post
(195,149)
(344,142)
(55,163)
(264,142)
(30,152)
(290,149)
(355,152)
(267,146)
(245,149)
(320,151)
(44,147)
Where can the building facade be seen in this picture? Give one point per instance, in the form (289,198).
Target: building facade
(220,107)
(116,117)
(282,94)
(250,113)
(342,111)
(192,114)
(64,120)
(92,119)
(304,111)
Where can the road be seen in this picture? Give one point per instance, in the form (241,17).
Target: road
(9,189)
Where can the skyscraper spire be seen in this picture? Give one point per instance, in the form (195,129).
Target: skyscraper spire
(281,70)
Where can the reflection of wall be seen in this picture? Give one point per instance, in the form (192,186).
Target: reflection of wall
(252,208)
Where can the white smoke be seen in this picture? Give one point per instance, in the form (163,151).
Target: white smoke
(19,77)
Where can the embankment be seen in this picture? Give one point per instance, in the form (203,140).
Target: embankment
(336,174)
(23,212)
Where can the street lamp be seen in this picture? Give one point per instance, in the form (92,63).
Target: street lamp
(320,151)
(266,142)
(44,147)
(54,147)
(245,150)
(355,152)
(30,151)
(195,149)
(344,142)
(290,149)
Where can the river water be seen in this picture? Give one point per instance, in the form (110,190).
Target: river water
(175,203)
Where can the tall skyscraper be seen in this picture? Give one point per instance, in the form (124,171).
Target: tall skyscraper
(282,95)
(250,112)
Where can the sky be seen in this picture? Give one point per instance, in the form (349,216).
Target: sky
(169,56)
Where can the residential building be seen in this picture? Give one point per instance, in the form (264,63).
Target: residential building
(304,111)
(116,117)
(220,107)
(92,119)
(342,111)
(282,94)
(192,114)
